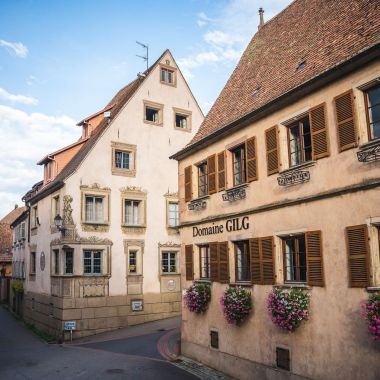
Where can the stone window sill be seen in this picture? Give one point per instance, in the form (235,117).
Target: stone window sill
(203,281)
(297,285)
(304,165)
(243,284)
(124,172)
(371,289)
(370,143)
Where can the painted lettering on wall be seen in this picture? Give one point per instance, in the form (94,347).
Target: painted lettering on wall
(234,224)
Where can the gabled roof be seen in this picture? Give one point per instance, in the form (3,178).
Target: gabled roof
(302,43)
(13,215)
(117,103)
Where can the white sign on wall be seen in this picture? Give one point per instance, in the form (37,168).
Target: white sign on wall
(137,305)
(69,325)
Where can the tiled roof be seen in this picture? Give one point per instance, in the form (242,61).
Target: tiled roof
(13,215)
(305,40)
(117,103)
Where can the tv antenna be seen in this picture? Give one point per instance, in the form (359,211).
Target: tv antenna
(144,57)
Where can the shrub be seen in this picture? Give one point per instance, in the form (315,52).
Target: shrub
(18,287)
(371,313)
(288,309)
(236,304)
(197,298)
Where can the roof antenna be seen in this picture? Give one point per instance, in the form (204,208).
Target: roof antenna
(261,13)
(144,57)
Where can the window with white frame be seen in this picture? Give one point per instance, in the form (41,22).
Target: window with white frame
(173,214)
(122,159)
(169,262)
(94,209)
(133,212)
(92,262)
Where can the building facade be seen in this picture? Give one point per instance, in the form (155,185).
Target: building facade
(279,189)
(104,245)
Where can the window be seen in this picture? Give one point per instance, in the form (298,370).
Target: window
(168,75)
(32,262)
(132,265)
(295,258)
(182,119)
(204,257)
(92,262)
(35,220)
(242,261)
(55,206)
(49,170)
(299,141)
(173,214)
(69,261)
(372,97)
(94,209)
(56,261)
(169,262)
(153,113)
(202,180)
(239,166)
(19,232)
(123,159)
(133,215)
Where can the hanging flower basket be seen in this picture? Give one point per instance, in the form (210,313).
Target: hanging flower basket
(236,304)
(288,309)
(197,298)
(371,313)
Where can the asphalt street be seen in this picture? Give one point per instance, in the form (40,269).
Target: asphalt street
(129,354)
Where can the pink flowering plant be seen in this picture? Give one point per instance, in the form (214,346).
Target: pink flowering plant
(236,304)
(197,298)
(371,313)
(288,309)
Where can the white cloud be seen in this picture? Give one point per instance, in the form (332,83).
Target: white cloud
(17,47)
(26,138)
(28,100)
(228,34)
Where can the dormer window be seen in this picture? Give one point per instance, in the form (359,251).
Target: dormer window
(85,130)
(49,171)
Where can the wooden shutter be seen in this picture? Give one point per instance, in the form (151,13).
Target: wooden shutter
(262,261)
(344,111)
(251,162)
(188,184)
(189,260)
(314,258)
(221,171)
(214,262)
(358,250)
(272,150)
(211,170)
(319,133)
(267,262)
(224,272)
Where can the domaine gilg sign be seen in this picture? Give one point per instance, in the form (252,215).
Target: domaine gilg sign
(234,224)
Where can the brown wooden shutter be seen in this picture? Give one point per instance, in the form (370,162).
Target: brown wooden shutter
(358,250)
(345,118)
(267,261)
(314,258)
(214,262)
(211,170)
(272,150)
(189,260)
(251,162)
(319,133)
(221,171)
(262,260)
(224,271)
(188,184)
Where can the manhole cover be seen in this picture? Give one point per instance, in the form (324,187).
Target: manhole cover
(115,370)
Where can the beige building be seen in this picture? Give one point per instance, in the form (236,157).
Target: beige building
(104,245)
(280,189)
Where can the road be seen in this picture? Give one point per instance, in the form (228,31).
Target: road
(132,353)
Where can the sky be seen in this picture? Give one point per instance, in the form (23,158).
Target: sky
(63,60)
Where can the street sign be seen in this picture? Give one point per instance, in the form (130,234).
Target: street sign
(69,325)
(137,305)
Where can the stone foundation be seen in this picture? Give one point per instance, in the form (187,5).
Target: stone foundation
(94,315)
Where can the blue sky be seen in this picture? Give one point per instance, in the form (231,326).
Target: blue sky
(63,60)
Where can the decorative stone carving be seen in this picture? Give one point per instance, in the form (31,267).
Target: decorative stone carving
(132,189)
(95,186)
(95,227)
(130,229)
(232,195)
(67,211)
(93,286)
(171,195)
(197,204)
(82,240)
(293,177)
(169,244)
(134,243)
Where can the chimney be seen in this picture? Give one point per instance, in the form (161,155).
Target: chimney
(261,13)
(16,206)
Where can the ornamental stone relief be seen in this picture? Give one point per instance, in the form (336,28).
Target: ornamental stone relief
(169,244)
(132,189)
(67,211)
(95,186)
